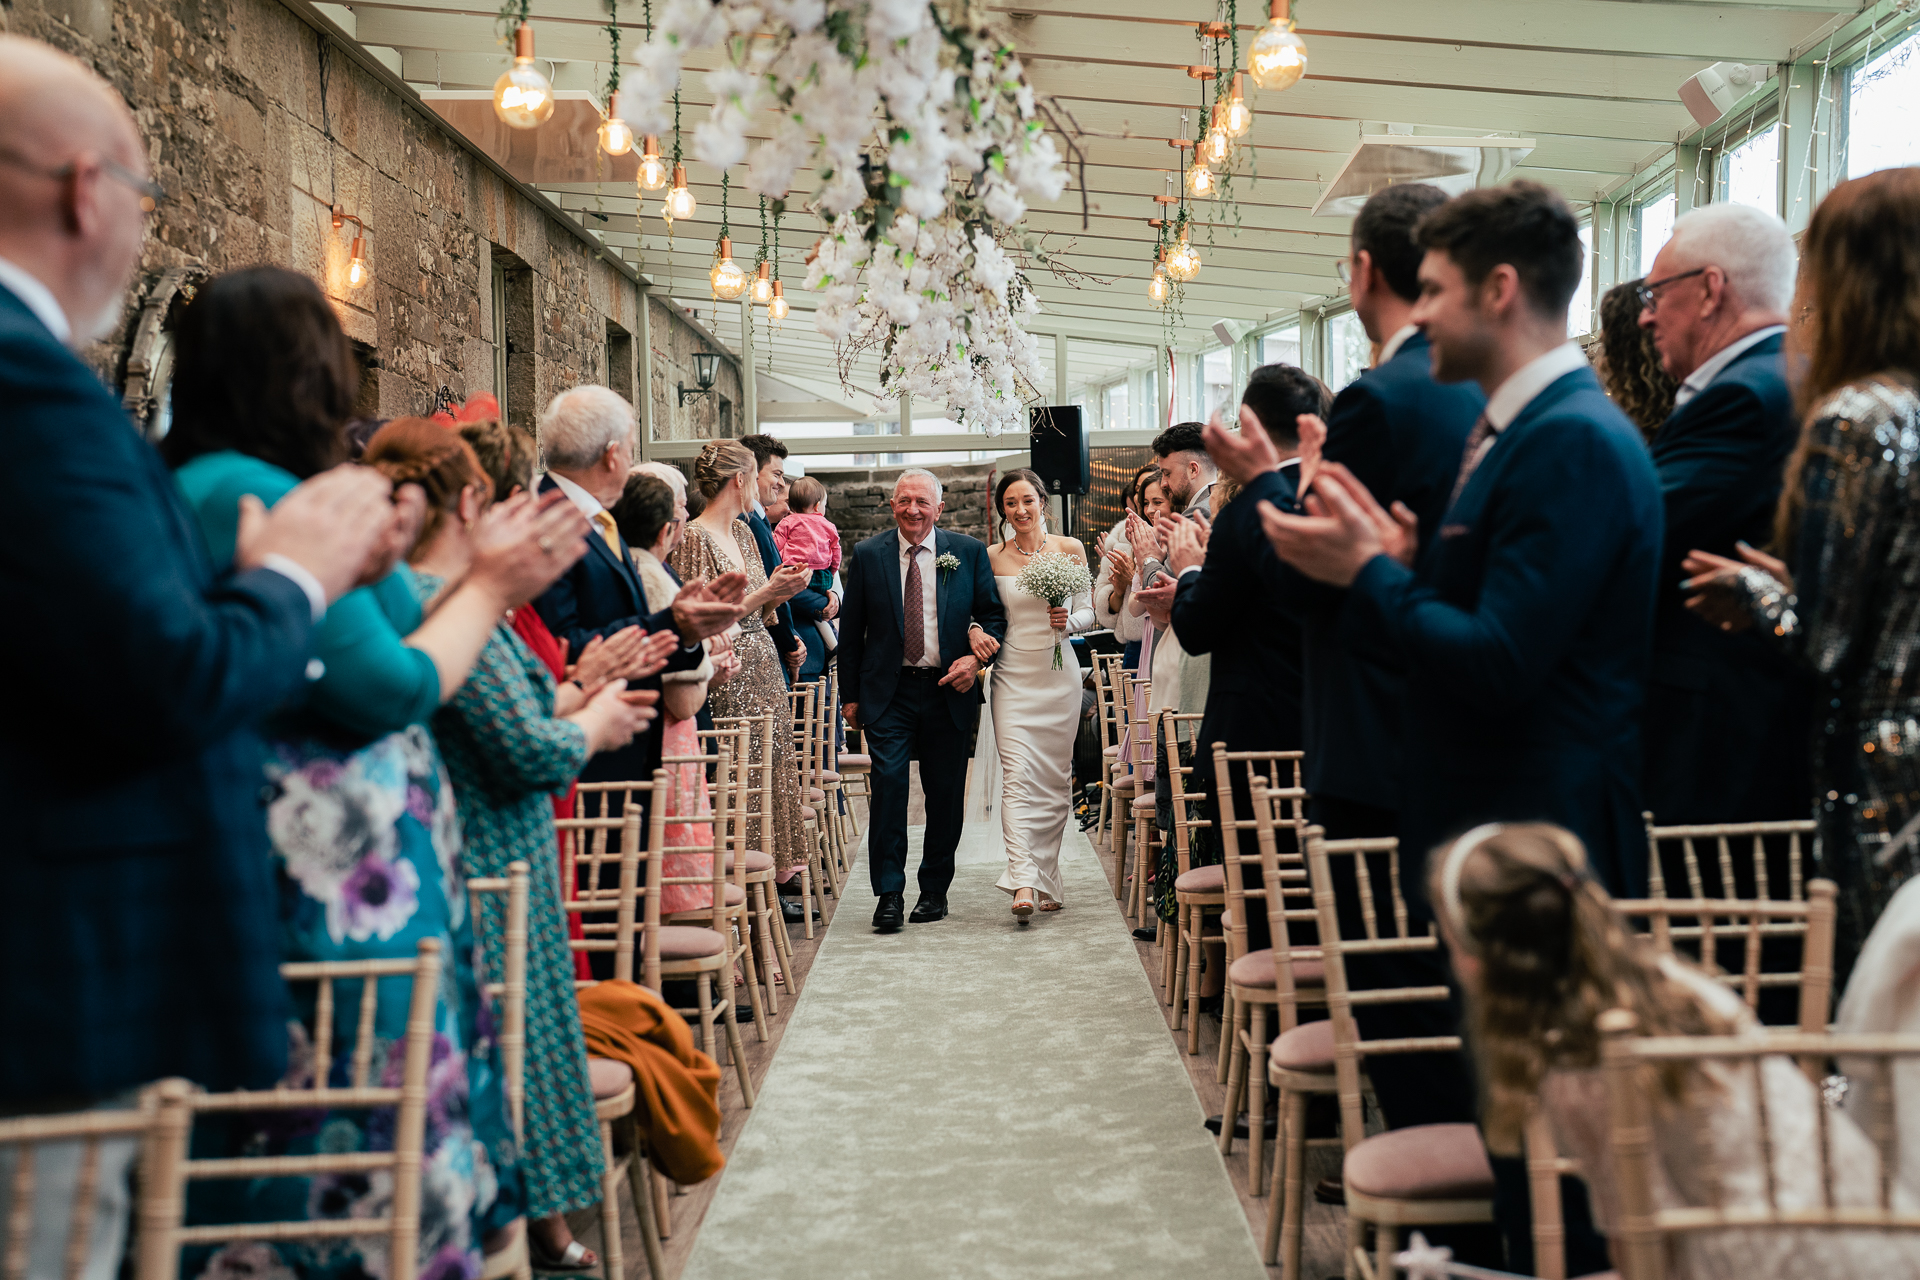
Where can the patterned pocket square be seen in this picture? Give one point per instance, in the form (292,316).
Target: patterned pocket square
(1454,530)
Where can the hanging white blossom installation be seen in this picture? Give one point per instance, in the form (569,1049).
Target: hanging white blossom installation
(883,100)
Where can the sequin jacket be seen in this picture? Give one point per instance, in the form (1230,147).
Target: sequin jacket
(1854,619)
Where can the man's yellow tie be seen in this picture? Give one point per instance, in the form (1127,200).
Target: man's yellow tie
(609,531)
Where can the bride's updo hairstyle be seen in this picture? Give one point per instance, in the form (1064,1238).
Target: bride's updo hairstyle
(718,464)
(1007,481)
(1552,956)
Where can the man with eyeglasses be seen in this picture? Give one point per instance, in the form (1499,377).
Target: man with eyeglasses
(137,933)
(1724,732)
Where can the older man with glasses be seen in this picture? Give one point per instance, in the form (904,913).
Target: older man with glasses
(1724,741)
(137,929)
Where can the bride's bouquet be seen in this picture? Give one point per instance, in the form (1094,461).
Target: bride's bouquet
(1055,578)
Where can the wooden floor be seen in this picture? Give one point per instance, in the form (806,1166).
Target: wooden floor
(1325,1230)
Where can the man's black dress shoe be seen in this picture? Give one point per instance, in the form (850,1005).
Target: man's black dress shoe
(793,910)
(928,909)
(891,913)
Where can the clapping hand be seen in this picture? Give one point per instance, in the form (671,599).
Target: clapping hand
(703,609)
(1156,598)
(521,546)
(655,652)
(335,525)
(1242,456)
(1120,569)
(605,658)
(1713,577)
(786,582)
(1343,529)
(1142,536)
(406,516)
(1313,442)
(1186,546)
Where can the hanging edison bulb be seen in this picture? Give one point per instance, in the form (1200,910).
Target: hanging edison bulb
(728,280)
(1183,264)
(358,272)
(1278,57)
(1218,144)
(1200,179)
(616,139)
(523,98)
(680,201)
(762,285)
(777,307)
(1238,117)
(1159,288)
(653,170)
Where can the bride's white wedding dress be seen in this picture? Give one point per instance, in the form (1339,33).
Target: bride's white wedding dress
(1033,713)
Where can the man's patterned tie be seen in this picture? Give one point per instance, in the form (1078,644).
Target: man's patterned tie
(915,601)
(1479,440)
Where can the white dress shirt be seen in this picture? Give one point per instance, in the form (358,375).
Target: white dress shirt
(589,505)
(1526,383)
(1715,364)
(929,594)
(38,299)
(1391,347)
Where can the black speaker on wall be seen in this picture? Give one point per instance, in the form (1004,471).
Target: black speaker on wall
(1059,448)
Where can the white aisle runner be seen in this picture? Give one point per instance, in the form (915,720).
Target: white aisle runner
(974,1099)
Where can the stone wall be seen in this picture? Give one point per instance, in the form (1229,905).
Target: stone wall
(857,500)
(716,415)
(229,97)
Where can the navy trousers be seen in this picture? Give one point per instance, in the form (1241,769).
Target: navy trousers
(917,725)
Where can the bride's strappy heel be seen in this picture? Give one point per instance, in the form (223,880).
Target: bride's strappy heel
(1022,908)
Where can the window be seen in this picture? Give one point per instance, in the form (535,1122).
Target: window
(1653,223)
(1116,398)
(1883,111)
(1349,351)
(500,331)
(1580,312)
(1282,346)
(1750,172)
(1216,383)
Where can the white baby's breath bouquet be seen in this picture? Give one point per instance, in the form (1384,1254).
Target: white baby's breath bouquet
(1055,578)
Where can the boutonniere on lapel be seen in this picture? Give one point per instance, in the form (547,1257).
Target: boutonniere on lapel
(947,563)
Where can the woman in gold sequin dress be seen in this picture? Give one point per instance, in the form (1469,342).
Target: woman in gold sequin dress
(718,541)
(1846,600)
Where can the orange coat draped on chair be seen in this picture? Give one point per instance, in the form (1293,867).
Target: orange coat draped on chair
(679,1087)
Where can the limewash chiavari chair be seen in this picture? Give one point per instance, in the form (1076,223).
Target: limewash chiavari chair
(1426,1175)
(1270,978)
(842,769)
(749,872)
(1196,890)
(511,994)
(1122,783)
(803,716)
(829,783)
(753,814)
(1129,781)
(1180,806)
(811,754)
(852,764)
(725,913)
(1642,1238)
(166,1170)
(1146,832)
(1104,665)
(106,1139)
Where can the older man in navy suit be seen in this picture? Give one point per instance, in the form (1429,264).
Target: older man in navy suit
(1725,726)
(908,676)
(137,927)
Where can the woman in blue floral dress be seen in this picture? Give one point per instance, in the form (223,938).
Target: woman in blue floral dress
(507,753)
(358,806)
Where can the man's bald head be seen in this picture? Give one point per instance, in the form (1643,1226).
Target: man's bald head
(65,216)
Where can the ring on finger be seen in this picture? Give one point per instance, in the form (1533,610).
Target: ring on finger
(546,545)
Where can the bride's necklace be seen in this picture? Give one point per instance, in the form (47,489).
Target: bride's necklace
(1015,544)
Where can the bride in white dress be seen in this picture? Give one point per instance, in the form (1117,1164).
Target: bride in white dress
(1034,709)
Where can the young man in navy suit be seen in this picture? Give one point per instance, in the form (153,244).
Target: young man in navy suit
(1400,433)
(908,677)
(1525,629)
(1725,728)
(770,457)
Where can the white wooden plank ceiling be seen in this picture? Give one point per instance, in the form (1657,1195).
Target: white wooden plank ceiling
(1593,82)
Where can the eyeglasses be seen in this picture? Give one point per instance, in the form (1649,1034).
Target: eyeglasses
(1649,294)
(152,194)
(1344,270)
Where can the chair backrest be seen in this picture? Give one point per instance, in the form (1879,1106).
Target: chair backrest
(24,1143)
(1178,730)
(169,1170)
(634,902)
(1834,1179)
(803,702)
(1277,774)
(717,821)
(733,740)
(511,987)
(1717,923)
(1739,868)
(1348,1047)
(754,799)
(1281,882)
(1106,684)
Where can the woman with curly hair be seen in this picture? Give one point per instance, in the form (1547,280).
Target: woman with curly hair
(1627,363)
(1541,953)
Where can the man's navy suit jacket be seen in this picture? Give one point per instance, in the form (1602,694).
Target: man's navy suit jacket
(1726,717)
(1401,434)
(1526,635)
(139,925)
(599,595)
(873,619)
(785,638)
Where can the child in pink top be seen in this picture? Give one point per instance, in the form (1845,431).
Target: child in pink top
(806,536)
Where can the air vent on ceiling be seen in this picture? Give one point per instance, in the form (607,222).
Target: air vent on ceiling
(1452,164)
